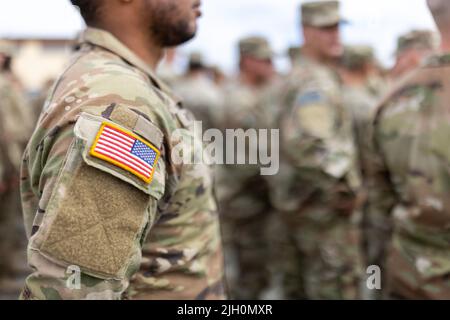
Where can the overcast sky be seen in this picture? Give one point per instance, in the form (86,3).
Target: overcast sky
(376,22)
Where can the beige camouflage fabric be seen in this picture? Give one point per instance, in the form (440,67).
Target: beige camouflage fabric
(203,98)
(244,202)
(17,121)
(15,130)
(409,202)
(318,185)
(417,39)
(129,238)
(361,102)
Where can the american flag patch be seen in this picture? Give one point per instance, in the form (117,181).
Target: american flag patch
(126,150)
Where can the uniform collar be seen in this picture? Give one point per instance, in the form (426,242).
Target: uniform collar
(107,41)
(304,60)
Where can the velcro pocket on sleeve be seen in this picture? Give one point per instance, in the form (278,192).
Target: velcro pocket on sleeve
(97,214)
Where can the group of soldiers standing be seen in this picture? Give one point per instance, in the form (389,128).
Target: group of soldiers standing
(307,232)
(364,173)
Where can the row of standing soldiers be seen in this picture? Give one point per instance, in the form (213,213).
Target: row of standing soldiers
(308,232)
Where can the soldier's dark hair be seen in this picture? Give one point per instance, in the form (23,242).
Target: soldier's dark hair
(89,9)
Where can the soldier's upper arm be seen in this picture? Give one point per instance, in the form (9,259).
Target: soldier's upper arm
(307,124)
(313,114)
(103,196)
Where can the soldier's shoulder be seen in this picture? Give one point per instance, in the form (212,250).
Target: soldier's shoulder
(104,71)
(415,89)
(98,78)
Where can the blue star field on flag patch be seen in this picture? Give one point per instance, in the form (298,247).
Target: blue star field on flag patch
(144,152)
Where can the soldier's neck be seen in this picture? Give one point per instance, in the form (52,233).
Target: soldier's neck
(314,56)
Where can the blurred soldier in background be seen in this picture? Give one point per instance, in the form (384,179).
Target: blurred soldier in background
(294,54)
(412,48)
(362,90)
(410,183)
(243,193)
(15,130)
(218,76)
(319,182)
(200,93)
(256,75)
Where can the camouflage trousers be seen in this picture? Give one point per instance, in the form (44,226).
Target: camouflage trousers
(246,256)
(325,260)
(13,242)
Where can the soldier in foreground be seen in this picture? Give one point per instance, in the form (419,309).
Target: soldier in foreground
(319,181)
(110,210)
(409,202)
(412,49)
(243,193)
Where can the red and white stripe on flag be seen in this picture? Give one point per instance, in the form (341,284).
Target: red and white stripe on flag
(126,150)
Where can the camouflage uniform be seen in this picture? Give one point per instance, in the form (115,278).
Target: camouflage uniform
(82,210)
(319,181)
(39,100)
(409,199)
(294,54)
(417,39)
(361,99)
(10,148)
(361,93)
(201,96)
(243,192)
(421,42)
(15,130)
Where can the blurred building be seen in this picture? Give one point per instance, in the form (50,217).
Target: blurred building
(39,60)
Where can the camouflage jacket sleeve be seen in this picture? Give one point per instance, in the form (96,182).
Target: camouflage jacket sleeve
(93,214)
